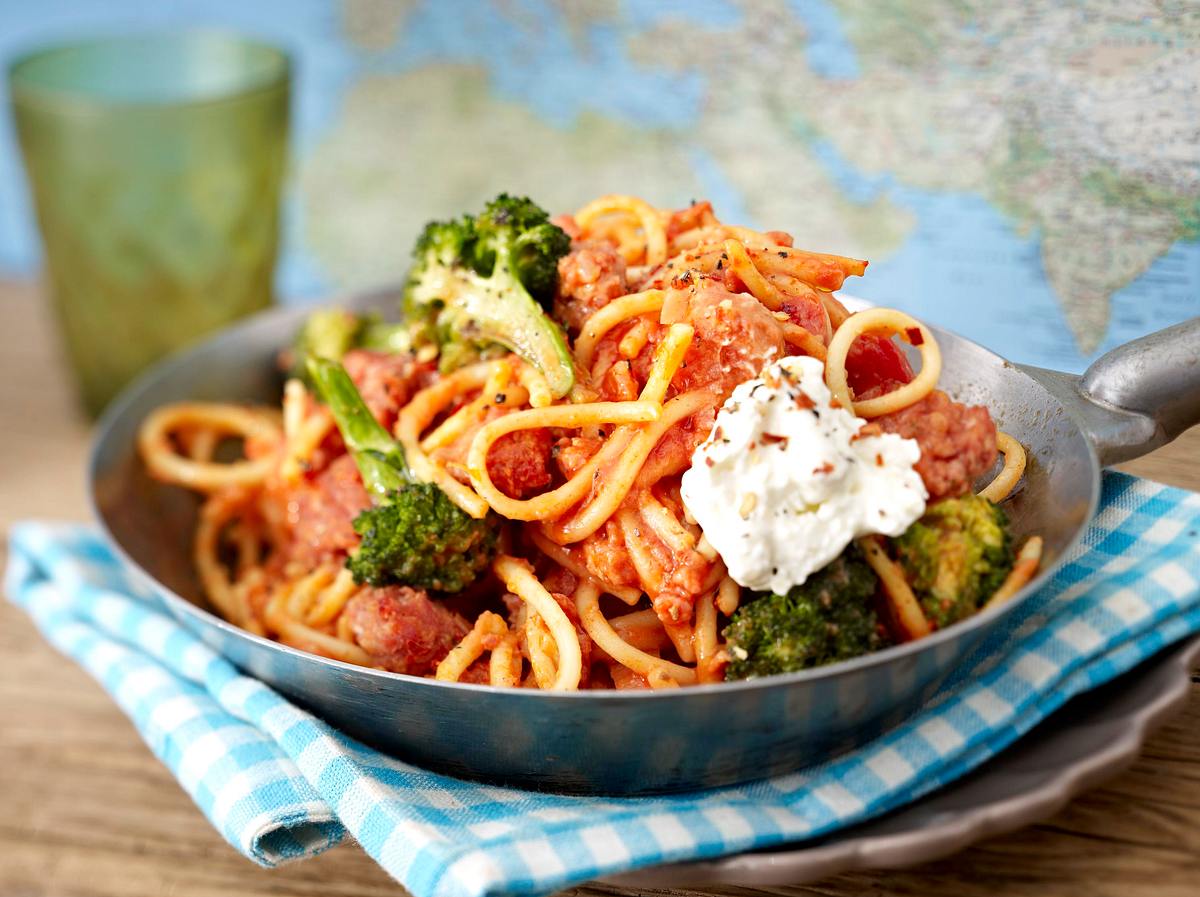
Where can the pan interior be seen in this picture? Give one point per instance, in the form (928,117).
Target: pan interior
(1061,483)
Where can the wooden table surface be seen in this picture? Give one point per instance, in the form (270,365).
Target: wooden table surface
(85,809)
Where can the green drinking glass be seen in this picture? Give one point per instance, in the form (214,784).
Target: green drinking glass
(155,163)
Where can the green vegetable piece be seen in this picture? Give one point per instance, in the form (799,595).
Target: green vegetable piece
(956,556)
(481,282)
(414,534)
(383,336)
(517,229)
(332,332)
(828,618)
(326,333)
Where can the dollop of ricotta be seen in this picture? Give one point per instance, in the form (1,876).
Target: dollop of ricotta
(784,481)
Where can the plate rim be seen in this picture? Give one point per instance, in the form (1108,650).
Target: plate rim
(958,830)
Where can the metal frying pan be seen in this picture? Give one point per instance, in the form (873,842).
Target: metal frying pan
(1132,400)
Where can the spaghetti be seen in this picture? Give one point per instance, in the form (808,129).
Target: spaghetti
(889,321)
(1014,468)
(602,577)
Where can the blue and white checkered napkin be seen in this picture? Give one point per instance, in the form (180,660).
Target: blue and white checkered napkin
(281,785)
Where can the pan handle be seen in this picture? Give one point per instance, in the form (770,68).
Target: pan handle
(1137,397)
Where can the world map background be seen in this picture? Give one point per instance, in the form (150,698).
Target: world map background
(1027,174)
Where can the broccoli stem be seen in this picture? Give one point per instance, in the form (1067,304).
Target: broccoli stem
(539,342)
(379,457)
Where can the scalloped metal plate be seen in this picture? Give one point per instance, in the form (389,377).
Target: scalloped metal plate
(1092,738)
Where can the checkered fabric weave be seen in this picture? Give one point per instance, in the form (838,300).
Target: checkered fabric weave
(281,785)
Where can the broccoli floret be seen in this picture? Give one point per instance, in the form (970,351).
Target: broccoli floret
(414,534)
(522,229)
(956,556)
(332,332)
(419,537)
(477,283)
(826,619)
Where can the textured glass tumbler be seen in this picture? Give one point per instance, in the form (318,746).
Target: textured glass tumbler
(155,164)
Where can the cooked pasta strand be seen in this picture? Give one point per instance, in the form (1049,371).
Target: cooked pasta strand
(564,557)
(599,324)
(535,384)
(1014,468)
(296,634)
(667,360)
(682,638)
(504,666)
(518,577)
(705,640)
(635,340)
(163,462)
(304,593)
(892,321)
(642,629)
(705,549)
(539,643)
(906,610)
(654,234)
(488,627)
(587,603)
(558,500)
(215,515)
(667,527)
(473,412)
(743,266)
(632,451)
(729,596)
(420,412)
(1028,559)
(806,342)
(200,444)
(332,600)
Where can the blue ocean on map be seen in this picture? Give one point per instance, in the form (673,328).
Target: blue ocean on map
(967,269)
(964,265)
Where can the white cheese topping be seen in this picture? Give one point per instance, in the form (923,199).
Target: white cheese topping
(783,483)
